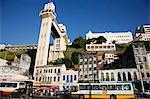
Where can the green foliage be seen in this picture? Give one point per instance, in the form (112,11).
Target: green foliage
(98,40)
(65,61)
(74,57)
(8,55)
(122,46)
(20,52)
(79,43)
(147,45)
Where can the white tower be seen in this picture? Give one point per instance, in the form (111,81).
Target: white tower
(48,15)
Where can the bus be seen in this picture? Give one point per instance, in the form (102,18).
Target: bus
(103,91)
(7,87)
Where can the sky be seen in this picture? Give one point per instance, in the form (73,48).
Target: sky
(20,21)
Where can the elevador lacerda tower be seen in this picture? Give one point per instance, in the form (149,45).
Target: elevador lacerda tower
(49,26)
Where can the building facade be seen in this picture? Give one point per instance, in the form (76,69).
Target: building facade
(143,33)
(56,74)
(118,37)
(101,47)
(88,67)
(141,54)
(118,75)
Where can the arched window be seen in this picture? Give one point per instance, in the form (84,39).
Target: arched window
(107,76)
(112,76)
(36,78)
(48,79)
(129,76)
(135,76)
(119,77)
(124,77)
(102,76)
(40,79)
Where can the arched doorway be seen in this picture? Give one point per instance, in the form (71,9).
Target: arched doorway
(129,76)
(119,76)
(124,77)
(112,76)
(107,76)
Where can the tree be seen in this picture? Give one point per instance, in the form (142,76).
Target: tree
(114,41)
(100,40)
(79,42)
(74,57)
(66,61)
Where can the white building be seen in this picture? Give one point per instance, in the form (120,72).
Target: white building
(142,33)
(118,37)
(116,75)
(55,74)
(101,47)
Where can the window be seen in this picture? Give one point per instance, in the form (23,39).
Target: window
(112,76)
(129,76)
(59,70)
(85,76)
(107,76)
(119,77)
(51,70)
(55,70)
(75,77)
(127,87)
(63,77)
(67,78)
(81,87)
(95,87)
(148,75)
(102,76)
(58,78)
(124,77)
(142,75)
(111,87)
(119,87)
(54,78)
(71,78)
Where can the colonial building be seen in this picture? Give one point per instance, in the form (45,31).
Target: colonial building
(56,75)
(118,37)
(91,62)
(143,33)
(20,47)
(101,47)
(88,67)
(137,56)
(118,75)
